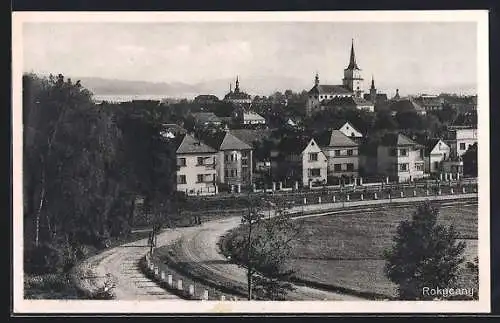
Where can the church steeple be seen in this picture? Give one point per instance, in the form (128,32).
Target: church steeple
(373,91)
(352,60)
(237,87)
(316,79)
(352,75)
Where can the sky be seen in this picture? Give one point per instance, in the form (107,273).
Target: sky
(412,56)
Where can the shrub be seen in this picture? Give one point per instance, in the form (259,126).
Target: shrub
(46,258)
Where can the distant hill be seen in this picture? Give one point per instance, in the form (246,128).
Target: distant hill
(219,87)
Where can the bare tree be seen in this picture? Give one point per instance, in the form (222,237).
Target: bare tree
(264,246)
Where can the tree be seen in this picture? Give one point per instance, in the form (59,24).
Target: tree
(263,246)
(424,254)
(470,161)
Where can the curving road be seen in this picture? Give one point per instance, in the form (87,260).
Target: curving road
(199,248)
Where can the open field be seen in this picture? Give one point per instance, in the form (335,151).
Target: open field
(345,250)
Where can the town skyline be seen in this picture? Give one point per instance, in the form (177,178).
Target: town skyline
(205,57)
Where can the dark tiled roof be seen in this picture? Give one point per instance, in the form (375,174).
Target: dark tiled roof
(249,135)
(330,89)
(429,144)
(187,144)
(225,140)
(339,101)
(206,117)
(335,138)
(236,96)
(397,139)
(406,105)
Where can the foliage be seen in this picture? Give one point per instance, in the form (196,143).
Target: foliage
(470,161)
(84,166)
(264,247)
(425,254)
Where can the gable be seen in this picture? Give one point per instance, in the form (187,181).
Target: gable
(312,147)
(437,149)
(347,129)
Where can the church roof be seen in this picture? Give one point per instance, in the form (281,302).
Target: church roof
(330,89)
(237,96)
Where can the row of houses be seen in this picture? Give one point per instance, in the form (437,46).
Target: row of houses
(222,159)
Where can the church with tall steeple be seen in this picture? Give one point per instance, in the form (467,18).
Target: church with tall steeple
(349,93)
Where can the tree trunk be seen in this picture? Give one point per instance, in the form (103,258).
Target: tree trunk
(39,210)
(249,283)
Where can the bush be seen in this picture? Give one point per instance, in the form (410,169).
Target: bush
(46,258)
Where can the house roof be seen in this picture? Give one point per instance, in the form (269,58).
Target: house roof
(225,140)
(187,144)
(397,139)
(237,96)
(250,135)
(335,138)
(250,115)
(206,117)
(330,89)
(361,101)
(406,105)
(293,144)
(429,144)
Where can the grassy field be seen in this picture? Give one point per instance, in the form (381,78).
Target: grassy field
(345,250)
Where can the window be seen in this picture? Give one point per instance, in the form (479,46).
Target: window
(353,134)
(337,167)
(181,162)
(350,167)
(392,152)
(403,152)
(200,161)
(315,172)
(462,146)
(436,165)
(419,167)
(244,162)
(349,152)
(337,152)
(226,157)
(181,179)
(313,156)
(199,178)
(403,167)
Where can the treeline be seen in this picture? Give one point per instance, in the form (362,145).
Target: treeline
(84,166)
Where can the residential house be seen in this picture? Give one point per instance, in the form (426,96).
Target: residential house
(206,119)
(248,118)
(400,158)
(460,138)
(206,99)
(406,104)
(342,155)
(234,158)
(436,151)
(430,102)
(196,166)
(299,159)
(171,130)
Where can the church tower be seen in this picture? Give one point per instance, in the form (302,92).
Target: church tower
(237,87)
(352,75)
(373,92)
